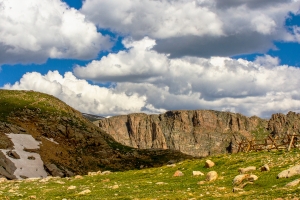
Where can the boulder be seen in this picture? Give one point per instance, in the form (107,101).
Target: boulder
(293,183)
(247,169)
(197,173)
(54,170)
(211,176)
(265,168)
(239,179)
(252,178)
(178,173)
(13,154)
(209,164)
(289,172)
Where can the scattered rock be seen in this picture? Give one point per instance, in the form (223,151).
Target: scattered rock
(92,173)
(236,189)
(211,176)
(178,173)
(3,180)
(78,177)
(293,183)
(201,182)
(247,169)
(171,165)
(54,170)
(106,173)
(209,164)
(32,179)
(197,173)
(31,158)
(239,179)
(160,183)
(289,172)
(72,187)
(115,187)
(13,154)
(265,168)
(106,180)
(253,178)
(84,192)
(32,197)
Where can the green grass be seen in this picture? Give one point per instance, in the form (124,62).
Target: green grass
(141,184)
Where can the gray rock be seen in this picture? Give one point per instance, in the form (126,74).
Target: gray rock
(289,172)
(54,170)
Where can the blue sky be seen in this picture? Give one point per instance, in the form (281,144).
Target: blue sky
(118,57)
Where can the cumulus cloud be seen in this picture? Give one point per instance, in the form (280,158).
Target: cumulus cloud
(198,27)
(80,94)
(35,30)
(259,88)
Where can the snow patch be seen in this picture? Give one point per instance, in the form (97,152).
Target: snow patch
(26,167)
(51,140)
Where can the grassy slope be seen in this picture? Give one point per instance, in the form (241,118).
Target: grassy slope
(141,184)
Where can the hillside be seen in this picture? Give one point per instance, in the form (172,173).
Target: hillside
(159,183)
(196,132)
(69,143)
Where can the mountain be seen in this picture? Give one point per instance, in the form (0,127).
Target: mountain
(91,117)
(36,126)
(195,132)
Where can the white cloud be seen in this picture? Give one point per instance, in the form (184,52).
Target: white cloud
(159,19)
(35,30)
(80,94)
(252,88)
(198,27)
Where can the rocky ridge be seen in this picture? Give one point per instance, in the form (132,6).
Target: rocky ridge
(195,132)
(69,143)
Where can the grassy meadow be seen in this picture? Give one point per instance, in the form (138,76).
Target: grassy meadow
(159,183)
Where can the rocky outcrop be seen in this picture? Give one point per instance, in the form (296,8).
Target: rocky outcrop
(281,124)
(197,133)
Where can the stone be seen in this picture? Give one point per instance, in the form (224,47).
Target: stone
(239,179)
(115,187)
(252,178)
(54,170)
(265,168)
(289,172)
(72,187)
(3,180)
(171,165)
(160,183)
(209,164)
(211,176)
(78,177)
(247,169)
(106,173)
(197,173)
(201,182)
(293,183)
(84,192)
(92,173)
(178,173)
(237,189)
(13,154)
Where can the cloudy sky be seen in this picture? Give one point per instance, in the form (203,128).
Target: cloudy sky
(122,56)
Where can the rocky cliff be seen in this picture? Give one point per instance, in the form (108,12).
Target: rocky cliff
(197,133)
(69,143)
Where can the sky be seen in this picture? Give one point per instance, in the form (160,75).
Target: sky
(119,57)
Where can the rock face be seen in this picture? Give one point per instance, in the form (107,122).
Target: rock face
(198,133)
(281,124)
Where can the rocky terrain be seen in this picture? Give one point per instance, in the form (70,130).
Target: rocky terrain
(68,143)
(196,132)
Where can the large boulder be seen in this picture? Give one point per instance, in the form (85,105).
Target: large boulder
(289,172)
